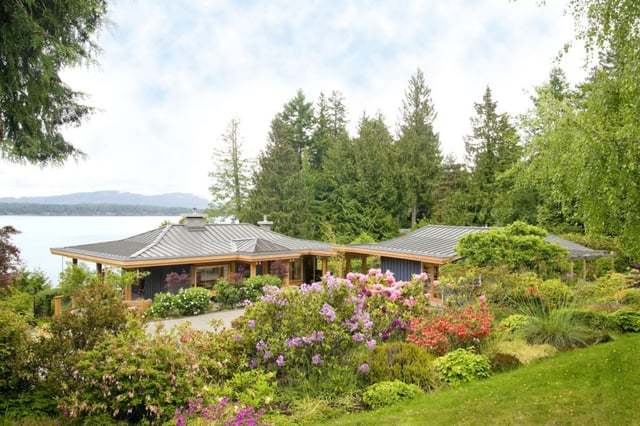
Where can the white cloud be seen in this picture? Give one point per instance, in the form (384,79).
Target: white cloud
(173,74)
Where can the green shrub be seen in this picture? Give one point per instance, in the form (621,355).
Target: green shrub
(43,303)
(514,322)
(253,388)
(193,301)
(32,404)
(631,297)
(13,350)
(461,366)
(20,303)
(627,319)
(388,393)
(137,376)
(602,327)
(251,288)
(403,361)
(164,305)
(227,294)
(523,352)
(603,288)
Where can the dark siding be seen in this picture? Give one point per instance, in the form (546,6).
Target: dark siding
(155,283)
(402,269)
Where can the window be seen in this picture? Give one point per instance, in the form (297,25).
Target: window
(208,276)
(295,269)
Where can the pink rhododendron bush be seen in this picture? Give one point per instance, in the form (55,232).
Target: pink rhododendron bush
(322,331)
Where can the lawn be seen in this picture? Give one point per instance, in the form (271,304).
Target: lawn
(599,385)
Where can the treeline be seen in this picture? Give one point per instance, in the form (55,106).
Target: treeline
(571,163)
(17,209)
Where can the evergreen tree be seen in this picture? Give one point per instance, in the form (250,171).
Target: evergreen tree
(492,149)
(280,190)
(230,175)
(452,194)
(418,149)
(297,121)
(38,39)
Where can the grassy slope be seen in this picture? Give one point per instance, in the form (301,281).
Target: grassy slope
(596,386)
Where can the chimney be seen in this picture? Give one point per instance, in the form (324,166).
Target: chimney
(265,224)
(194,220)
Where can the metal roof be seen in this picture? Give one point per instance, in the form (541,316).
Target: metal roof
(189,242)
(438,242)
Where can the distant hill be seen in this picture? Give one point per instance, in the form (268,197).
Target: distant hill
(174,199)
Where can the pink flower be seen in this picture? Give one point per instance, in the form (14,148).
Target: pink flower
(317,360)
(251,324)
(436,283)
(483,298)
(364,368)
(280,361)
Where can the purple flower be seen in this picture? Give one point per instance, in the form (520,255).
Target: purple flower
(261,345)
(371,343)
(328,312)
(251,324)
(280,361)
(317,336)
(358,337)
(364,368)
(267,355)
(237,337)
(294,341)
(317,360)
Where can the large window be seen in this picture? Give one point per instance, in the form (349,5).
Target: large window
(295,270)
(208,276)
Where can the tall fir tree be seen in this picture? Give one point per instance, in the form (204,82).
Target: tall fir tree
(492,149)
(418,150)
(230,176)
(297,119)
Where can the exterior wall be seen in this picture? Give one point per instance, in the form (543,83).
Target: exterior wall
(402,269)
(155,283)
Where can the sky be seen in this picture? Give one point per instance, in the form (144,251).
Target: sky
(173,73)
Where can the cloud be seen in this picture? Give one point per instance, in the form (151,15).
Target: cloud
(172,75)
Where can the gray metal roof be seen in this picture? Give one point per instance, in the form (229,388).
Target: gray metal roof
(182,241)
(439,242)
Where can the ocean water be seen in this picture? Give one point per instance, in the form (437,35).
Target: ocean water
(41,233)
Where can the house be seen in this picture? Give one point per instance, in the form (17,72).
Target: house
(206,252)
(427,248)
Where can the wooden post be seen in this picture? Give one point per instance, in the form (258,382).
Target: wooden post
(57,305)
(286,277)
(584,269)
(325,265)
(363,264)
(348,267)
(252,269)
(432,275)
(127,292)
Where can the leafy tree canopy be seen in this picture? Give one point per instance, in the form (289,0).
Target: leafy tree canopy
(39,38)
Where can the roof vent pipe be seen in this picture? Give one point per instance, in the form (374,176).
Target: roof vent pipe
(265,224)
(194,220)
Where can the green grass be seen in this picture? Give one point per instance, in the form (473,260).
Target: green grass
(599,385)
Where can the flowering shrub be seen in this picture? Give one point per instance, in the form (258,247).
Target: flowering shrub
(190,301)
(220,413)
(452,329)
(301,333)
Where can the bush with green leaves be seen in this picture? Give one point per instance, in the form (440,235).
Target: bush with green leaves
(20,303)
(514,322)
(193,301)
(227,294)
(627,319)
(303,333)
(137,376)
(461,366)
(389,392)
(630,297)
(603,289)
(252,388)
(13,351)
(190,301)
(251,288)
(405,362)
(43,302)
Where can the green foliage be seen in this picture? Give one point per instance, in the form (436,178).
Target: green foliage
(164,305)
(227,294)
(519,246)
(561,328)
(136,375)
(21,303)
(630,297)
(9,254)
(461,366)
(75,278)
(251,288)
(604,287)
(405,362)
(38,41)
(31,282)
(388,393)
(627,319)
(523,352)
(190,301)
(37,405)
(253,388)
(514,322)
(230,177)
(13,351)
